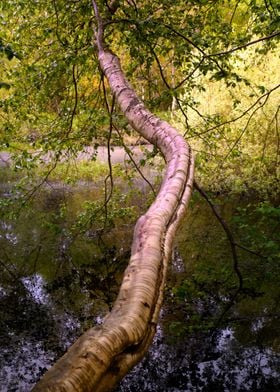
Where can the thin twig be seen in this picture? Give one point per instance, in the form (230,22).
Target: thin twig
(245,128)
(244,45)
(250,251)
(227,231)
(242,114)
(13,275)
(190,74)
(234,11)
(74,110)
(205,55)
(127,150)
(107,196)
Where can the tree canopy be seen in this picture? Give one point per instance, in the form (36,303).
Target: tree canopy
(174,54)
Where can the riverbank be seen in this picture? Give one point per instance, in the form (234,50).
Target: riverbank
(118,154)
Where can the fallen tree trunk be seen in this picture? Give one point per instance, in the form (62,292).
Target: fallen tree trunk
(100,358)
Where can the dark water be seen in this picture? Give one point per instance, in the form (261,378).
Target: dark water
(58,279)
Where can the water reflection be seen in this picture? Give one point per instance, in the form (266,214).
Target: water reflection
(207,363)
(20,365)
(33,332)
(36,288)
(7,233)
(54,285)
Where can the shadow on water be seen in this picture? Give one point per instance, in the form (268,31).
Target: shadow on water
(55,284)
(194,355)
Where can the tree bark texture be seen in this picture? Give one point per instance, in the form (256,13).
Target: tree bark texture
(101,357)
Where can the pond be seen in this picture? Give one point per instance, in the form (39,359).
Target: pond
(60,275)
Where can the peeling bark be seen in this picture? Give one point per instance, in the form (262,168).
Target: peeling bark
(100,358)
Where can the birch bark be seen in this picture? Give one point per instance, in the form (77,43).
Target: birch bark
(100,358)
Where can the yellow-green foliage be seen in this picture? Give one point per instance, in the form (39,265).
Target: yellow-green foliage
(242,153)
(71,172)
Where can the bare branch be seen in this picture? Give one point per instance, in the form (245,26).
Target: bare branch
(245,45)
(234,11)
(245,128)
(74,110)
(99,32)
(112,6)
(107,196)
(227,232)
(243,113)
(205,55)
(190,74)
(233,251)
(127,150)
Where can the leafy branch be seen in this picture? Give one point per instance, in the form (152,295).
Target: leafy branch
(265,95)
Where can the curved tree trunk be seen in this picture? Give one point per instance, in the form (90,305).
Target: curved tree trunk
(100,358)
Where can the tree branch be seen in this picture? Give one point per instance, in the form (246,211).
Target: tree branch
(227,232)
(233,251)
(103,355)
(127,150)
(273,35)
(99,32)
(107,195)
(267,94)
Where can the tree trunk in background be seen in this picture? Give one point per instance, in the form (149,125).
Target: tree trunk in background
(101,357)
